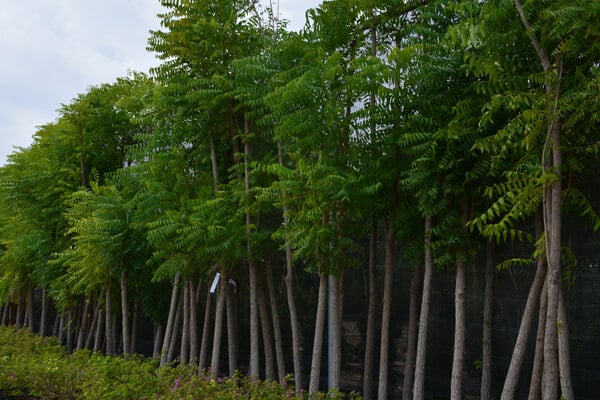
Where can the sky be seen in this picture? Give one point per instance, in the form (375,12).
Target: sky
(51,51)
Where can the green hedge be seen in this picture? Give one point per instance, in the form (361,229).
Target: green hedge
(40,367)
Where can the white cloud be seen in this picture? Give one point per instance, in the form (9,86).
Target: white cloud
(53,50)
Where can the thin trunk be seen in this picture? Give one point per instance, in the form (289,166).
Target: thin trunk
(20,311)
(458,362)
(5,310)
(337,315)
(170,319)
(125,312)
(371,315)
(44,314)
(61,328)
(176,331)
(232,330)
(99,330)
(413,329)
(486,367)
(110,345)
(204,347)
(92,329)
(114,332)
(276,324)
(266,332)
(193,323)
(84,325)
(289,286)
(30,305)
(69,330)
(315,369)
(134,327)
(218,332)
(386,302)
(516,361)
(566,385)
(419,388)
(535,386)
(159,331)
(184,349)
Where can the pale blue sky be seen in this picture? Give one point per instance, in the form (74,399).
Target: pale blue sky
(53,50)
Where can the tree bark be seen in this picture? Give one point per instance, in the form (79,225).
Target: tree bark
(413,326)
(276,323)
(232,329)
(456,389)
(125,312)
(289,285)
(386,302)
(30,305)
(70,327)
(266,333)
(99,330)
(486,359)
(158,338)
(185,331)
(419,387)
(170,320)
(563,350)
(110,346)
(315,368)
(193,322)
(204,347)
(218,332)
(83,328)
(176,330)
(535,386)
(371,315)
(44,314)
(338,311)
(134,327)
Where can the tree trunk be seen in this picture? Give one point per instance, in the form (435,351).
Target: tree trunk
(419,388)
(204,346)
(486,359)
(158,338)
(337,316)
(99,330)
(20,312)
(30,305)
(413,328)
(110,345)
(125,312)
(170,319)
(315,369)
(266,332)
(185,330)
(456,389)
(386,302)
(276,323)
(535,386)
(289,285)
(371,315)
(218,332)
(176,331)
(44,314)
(563,350)
(193,322)
(134,327)
(70,326)
(83,328)
(232,330)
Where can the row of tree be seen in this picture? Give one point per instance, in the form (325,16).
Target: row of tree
(446,126)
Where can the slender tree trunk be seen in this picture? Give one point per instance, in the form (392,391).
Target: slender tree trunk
(44,314)
(218,332)
(535,386)
(371,315)
(315,369)
(99,330)
(134,327)
(158,338)
(84,325)
(193,322)
(176,331)
(337,316)
(413,329)
(563,350)
(266,333)
(70,329)
(125,312)
(170,319)
(456,389)
(516,361)
(486,370)
(185,331)
(5,310)
(20,311)
(232,330)
(61,328)
(386,302)
(204,347)
(92,329)
(30,305)
(419,388)
(289,285)
(276,324)
(110,345)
